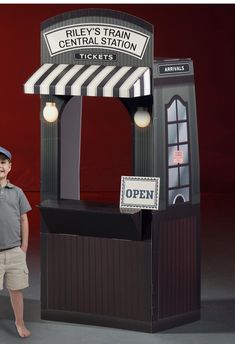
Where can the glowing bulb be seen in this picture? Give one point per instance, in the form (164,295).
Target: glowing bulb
(142,118)
(50,112)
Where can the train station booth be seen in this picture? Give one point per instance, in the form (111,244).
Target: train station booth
(135,264)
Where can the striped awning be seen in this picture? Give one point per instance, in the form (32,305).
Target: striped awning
(90,80)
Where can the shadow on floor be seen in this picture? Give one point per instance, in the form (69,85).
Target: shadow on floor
(217,316)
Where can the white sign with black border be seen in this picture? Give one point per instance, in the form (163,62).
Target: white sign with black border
(139,192)
(96,35)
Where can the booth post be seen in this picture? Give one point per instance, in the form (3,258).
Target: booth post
(136,269)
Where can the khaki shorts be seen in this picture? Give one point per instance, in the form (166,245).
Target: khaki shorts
(14,272)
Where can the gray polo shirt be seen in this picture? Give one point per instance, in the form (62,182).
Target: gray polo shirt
(13,204)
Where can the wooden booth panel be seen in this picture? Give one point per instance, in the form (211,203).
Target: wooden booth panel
(176,274)
(96,276)
(177,267)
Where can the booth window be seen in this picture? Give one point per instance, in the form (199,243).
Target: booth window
(178,151)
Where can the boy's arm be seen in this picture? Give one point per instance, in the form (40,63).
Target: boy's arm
(24,232)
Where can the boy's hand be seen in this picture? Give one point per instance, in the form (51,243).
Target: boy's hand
(24,248)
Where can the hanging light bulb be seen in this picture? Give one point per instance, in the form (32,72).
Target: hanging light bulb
(50,112)
(142,117)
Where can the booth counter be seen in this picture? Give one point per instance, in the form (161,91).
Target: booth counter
(88,218)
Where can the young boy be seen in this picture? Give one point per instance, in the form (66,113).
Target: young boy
(14,232)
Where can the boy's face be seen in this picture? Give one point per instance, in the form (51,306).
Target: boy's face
(5,167)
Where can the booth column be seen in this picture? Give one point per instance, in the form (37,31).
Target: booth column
(50,151)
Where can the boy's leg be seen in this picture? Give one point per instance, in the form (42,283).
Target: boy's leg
(18,308)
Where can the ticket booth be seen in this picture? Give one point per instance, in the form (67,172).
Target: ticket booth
(136,268)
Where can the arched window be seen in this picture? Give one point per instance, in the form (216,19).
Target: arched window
(96,148)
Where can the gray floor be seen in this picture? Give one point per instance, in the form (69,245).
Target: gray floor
(217,324)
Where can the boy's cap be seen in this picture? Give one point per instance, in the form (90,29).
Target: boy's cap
(5,152)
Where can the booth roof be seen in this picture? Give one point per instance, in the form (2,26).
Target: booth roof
(90,80)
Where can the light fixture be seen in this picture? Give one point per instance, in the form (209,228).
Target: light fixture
(142,117)
(50,112)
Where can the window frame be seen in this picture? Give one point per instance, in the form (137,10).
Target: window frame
(177,144)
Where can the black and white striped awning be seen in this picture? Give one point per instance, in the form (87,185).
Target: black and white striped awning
(90,80)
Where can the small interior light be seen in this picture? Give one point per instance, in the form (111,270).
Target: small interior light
(142,117)
(50,112)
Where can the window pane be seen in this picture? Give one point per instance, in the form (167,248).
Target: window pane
(183,133)
(182,192)
(184,148)
(181,111)
(172,133)
(184,175)
(171,151)
(171,112)
(173,174)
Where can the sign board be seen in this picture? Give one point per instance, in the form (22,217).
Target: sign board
(97,36)
(105,36)
(139,192)
(174,68)
(178,157)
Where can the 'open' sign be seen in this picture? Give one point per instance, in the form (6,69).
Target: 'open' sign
(139,192)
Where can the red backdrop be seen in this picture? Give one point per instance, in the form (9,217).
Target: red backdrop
(204,33)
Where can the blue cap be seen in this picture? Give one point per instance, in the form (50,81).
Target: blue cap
(5,152)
